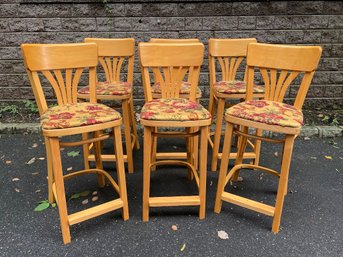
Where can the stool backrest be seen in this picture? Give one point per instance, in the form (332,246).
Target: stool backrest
(62,65)
(112,53)
(170,64)
(279,66)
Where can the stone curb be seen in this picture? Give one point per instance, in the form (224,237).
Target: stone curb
(307,131)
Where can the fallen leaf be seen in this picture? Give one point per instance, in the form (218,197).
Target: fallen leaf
(8,162)
(31,161)
(73,153)
(34,145)
(37,191)
(341,158)
(53,205)
(35,173)
(276,154)
(17,190)
(69,169)
(183,247)
(334,146)
(95,198)
(306,138)
(338,170)
(313,158)
(85,201)
(174,227)
(211,183)
(95,193)
(15,179)
(222,234)
(85,193)
(41,158)
(75,196)
(328,157)
(42,206)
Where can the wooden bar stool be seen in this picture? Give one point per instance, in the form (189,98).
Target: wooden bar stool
(62,65)
(170,63)
(229,55)
(279,65)
(112,54)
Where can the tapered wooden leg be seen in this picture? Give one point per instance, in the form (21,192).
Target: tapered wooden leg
(285,165)
(146,172)
(203,171)
(60,192)
(190,152)
(51,197)
(223,166)
(85,148)
(257,147)
(196,148)
(217,133)
(133,124)
(240,151)
(118,149)
(211,104)
(127,133)
(153,149)
(98,159)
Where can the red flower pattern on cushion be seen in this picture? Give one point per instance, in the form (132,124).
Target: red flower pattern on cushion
(234,87)
(109,88)
(174,109)
(78,114)
(184,89)
(269,112)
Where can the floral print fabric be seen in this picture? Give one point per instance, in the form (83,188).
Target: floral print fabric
(234,87)
(75,115)
(185,88)
(174,109)
(110,88)
(269,112)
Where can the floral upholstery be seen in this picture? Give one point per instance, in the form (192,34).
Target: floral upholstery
(184,89)
(269,112)
(234,87)
(173,109)
(110,88)
(78,114)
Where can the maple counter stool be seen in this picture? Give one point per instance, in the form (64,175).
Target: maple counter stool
(229,54)
(279,66)
(172,62)
(62,65)
(112,54)
(184,93)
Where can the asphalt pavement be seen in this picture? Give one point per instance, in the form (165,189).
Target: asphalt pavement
(311,223)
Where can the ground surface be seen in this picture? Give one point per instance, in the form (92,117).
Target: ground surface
(311,222)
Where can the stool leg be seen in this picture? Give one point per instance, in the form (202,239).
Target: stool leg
(190,151)
(133,123)
(223,166)
(98,159)
(240,151)
(286,162)
(146,172)
(60,191)
(85,148)
(203,171)
(127,133)
(217,133)
(118,149)
(153,149)
(257,149)
(51,196)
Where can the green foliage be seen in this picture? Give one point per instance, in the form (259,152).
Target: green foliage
(9,108)
(73,153)
(31,105)
(335,122)
(42,205)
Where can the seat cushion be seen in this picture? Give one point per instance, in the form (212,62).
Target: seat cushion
(76,115)
(269,112)
(173,109)
(109,88)
(184,89)
(234,87)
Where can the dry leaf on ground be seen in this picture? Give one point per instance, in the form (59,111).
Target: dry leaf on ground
(32,160)
(222,234)
(41,158)
(328,157)
(15,179)
(17,190)
(174,227)
(8,162)
(85,201)
(95,193)
(95,198)
(34,145)
(69,169)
